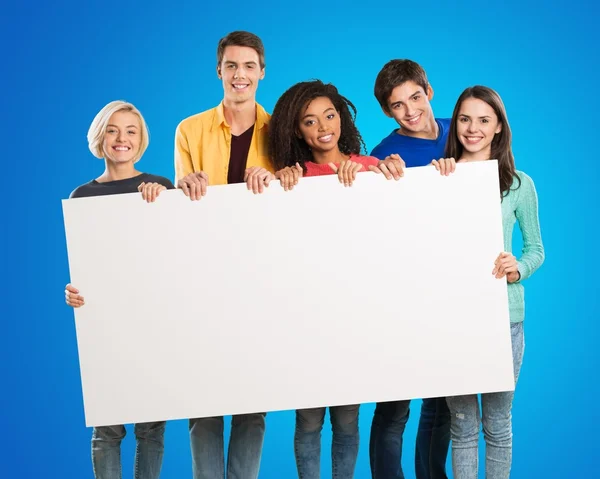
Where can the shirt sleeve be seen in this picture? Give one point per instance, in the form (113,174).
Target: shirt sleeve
(183,158)
(526,212)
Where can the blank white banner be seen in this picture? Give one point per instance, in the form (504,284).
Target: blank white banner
(324,295)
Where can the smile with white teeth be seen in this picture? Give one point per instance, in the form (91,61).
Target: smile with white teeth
(414,119)
(473,139)
(239,87)
(326,138)
(121,148)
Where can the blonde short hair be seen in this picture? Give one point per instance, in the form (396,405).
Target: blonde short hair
(97,129)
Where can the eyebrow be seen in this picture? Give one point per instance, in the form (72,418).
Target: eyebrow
(467,116)
(115,126)
(410,96)
(251,62)
(325,111)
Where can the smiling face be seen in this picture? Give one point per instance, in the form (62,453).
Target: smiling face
(476,126)
(122,137)
(409,105)
(319,125)
(240,72)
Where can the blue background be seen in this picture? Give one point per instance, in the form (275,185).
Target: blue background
(63,61)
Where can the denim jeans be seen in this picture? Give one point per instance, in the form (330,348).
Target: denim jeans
(106,450)
(497,424)
(344,444)
(245,447)
(385,447)
(433,439)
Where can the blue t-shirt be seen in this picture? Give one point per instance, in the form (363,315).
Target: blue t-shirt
(414,151)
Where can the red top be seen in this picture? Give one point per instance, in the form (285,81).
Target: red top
(315,169)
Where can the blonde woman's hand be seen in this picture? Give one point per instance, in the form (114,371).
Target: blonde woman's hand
(72,296)
(150,191)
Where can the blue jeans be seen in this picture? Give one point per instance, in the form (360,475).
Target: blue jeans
(245,447)
(344,445)
(385,447)
(497,424)
(433,439)
(106,450)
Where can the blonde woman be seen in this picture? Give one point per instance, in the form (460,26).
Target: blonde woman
(119,136)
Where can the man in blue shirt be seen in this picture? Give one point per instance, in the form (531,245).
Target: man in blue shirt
(404,94)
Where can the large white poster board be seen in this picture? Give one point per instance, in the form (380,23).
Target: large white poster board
(324,295)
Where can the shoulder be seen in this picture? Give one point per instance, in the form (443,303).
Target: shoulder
(158,179)
(197,121)
(365,160)
(83,190)
(523,180)
(523,187)
(391,139)
(444,122)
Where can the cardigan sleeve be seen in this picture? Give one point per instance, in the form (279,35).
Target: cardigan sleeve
(526,212)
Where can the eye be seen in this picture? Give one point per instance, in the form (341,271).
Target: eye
(250,66)
(111,130)
(463,119)
(309,122)
(485,120)
(416,97)
(331,116)
(132,132)
(230,66)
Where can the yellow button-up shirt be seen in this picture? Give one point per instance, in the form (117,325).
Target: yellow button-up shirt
(203,143)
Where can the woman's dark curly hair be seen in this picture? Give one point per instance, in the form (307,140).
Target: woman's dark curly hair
(285,148)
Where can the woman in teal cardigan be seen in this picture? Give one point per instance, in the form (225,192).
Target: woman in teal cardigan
(480,131)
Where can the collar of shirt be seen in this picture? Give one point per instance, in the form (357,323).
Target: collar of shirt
(262,117)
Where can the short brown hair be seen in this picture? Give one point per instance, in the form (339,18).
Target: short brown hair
(241,39)
(395,73)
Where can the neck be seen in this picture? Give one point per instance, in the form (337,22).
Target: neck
(239,116)
(430,132)
(330,156)
(117,171)
(477,156)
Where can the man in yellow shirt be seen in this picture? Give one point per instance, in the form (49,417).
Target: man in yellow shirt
(227,144)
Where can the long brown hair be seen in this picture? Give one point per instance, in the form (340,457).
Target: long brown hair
(502,142)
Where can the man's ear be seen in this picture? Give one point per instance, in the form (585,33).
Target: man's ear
(385,112)
(430,92)
(219,72)
(262,74)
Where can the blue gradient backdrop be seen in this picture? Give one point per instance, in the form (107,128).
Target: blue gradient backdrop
(62,61)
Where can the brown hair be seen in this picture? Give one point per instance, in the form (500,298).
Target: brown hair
(241,39)
(502,142)
(395,73)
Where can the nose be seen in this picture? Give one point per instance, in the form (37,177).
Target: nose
(240,72)
(471,128)
(121,136)
(321,125)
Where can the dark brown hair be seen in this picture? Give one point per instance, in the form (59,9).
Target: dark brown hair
(395,73)
(241,39)
(285,148)
(502,142)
